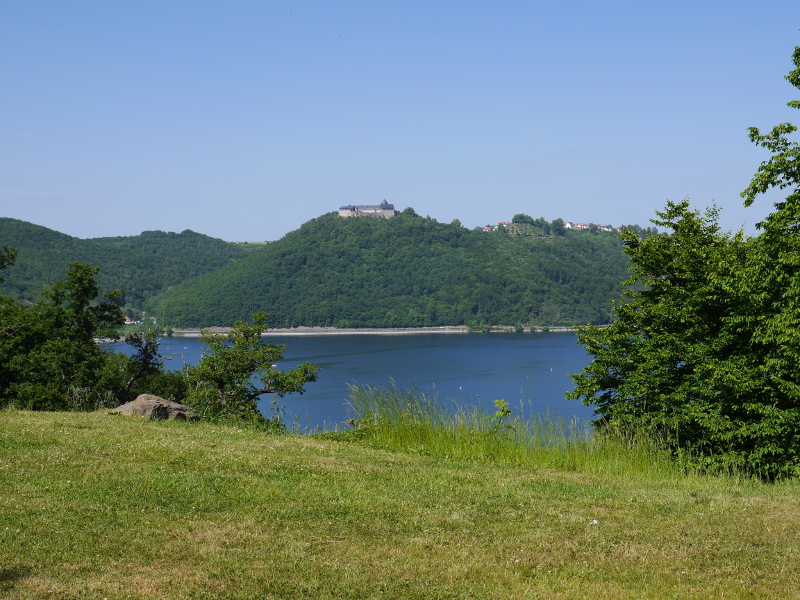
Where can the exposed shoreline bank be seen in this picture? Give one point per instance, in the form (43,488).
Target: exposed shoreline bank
(459,329)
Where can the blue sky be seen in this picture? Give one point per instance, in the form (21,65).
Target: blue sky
(242,120)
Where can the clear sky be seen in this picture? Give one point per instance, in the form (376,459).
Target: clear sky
(244,119)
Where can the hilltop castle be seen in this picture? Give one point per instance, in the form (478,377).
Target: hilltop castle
(384,210)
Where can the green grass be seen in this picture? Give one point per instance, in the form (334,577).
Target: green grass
(100,506)
(421,423)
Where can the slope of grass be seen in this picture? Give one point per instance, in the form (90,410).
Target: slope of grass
(101,506)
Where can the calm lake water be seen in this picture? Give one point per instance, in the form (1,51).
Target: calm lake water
(532,368)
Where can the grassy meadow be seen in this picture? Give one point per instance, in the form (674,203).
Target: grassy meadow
(95,505)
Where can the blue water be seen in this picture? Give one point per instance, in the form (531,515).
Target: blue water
(531,369)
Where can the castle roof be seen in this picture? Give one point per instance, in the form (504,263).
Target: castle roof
(382,206)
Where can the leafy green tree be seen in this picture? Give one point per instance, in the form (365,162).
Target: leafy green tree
(670,361)
(522,218)
(706,350)
(50,347)
(237,368)
(70,306)
(543,225)
(696,355)
(50,359)
(125,377)
(642,231)
(146,360)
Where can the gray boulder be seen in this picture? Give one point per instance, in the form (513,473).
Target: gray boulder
(153,407)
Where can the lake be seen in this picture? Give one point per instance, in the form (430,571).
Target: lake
(528,368)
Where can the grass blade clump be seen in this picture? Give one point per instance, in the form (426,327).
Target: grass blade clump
(421,423)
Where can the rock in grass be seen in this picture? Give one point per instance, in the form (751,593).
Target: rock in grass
(153,407)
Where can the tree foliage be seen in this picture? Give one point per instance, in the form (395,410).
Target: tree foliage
(402,272)
(50,359)
(142,265)
(49,347)
(706,352)
(238,367)
(7,257)
(522,218)
(407,271)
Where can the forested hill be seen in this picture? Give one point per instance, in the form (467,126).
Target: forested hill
(407,271)
(142,265)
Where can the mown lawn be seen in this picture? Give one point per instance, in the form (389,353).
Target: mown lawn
(103,506)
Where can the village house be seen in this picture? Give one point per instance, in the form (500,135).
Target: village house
(567,225)
(496,227)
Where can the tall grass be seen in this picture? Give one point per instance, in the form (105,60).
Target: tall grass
(420,422)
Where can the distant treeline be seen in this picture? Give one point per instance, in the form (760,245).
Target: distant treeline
(407,271)
(142,265)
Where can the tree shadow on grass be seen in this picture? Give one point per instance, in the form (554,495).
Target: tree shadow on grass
(9,576)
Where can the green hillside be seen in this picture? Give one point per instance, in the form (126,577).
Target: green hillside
(142,265)
(404,272)
(102,506)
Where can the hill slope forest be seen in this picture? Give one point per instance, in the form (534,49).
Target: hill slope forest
(142,265)
(407,271)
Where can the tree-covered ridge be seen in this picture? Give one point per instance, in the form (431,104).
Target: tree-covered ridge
(404,272)
(142,265)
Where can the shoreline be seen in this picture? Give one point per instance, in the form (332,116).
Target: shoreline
(310,331)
